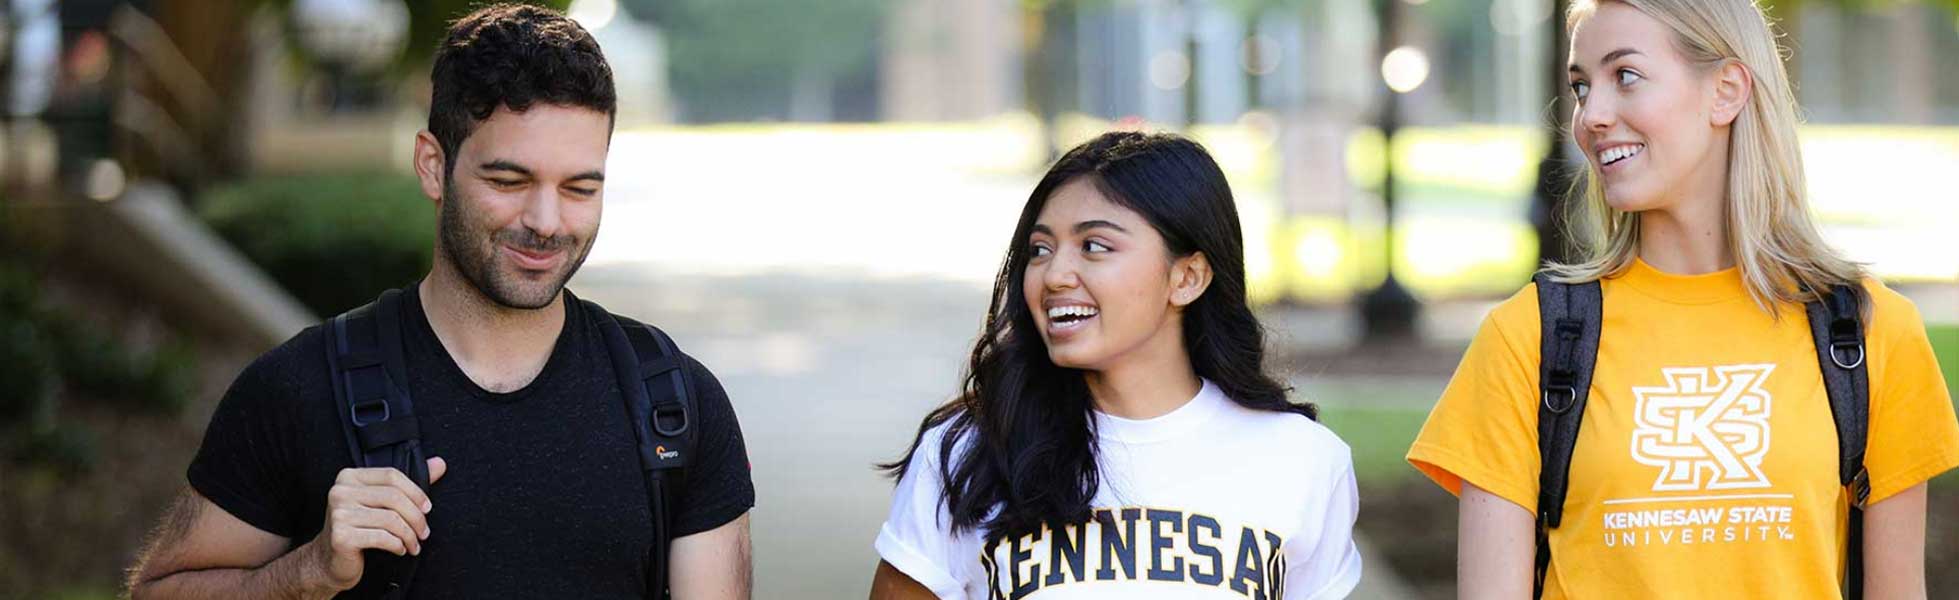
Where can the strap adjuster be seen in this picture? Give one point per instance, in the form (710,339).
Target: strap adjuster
(662,412)
(369,412)
(1860,488)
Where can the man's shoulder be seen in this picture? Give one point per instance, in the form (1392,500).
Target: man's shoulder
(295,368)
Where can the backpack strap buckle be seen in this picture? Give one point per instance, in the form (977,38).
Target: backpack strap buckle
(1559,398)
(1860,488)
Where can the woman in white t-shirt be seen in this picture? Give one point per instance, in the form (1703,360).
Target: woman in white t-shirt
(1117,436)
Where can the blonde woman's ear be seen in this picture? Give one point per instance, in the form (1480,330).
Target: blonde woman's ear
(1733,84)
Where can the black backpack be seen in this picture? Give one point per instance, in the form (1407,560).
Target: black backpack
(1569,315)
(364,356)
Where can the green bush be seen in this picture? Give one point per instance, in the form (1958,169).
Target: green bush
(48,358)
(335,241)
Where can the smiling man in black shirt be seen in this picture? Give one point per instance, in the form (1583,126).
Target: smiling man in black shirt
(533,484)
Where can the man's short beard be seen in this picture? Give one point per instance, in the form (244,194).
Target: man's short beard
(477,262)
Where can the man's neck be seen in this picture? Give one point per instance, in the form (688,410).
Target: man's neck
(501,349)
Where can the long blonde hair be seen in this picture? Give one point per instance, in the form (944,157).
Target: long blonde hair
(1775,243)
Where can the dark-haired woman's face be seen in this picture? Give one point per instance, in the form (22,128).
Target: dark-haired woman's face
(1099,281)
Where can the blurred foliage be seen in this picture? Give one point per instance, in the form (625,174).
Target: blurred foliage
(47,357)
(333,240)
(428,21)
(739,58)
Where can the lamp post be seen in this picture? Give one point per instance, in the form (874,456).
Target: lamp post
(351,40)
(1389,312)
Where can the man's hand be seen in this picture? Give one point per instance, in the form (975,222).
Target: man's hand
(376,509)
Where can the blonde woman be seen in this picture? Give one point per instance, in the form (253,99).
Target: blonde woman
(1704,457)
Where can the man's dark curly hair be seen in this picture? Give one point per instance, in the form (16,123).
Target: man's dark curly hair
(513,55)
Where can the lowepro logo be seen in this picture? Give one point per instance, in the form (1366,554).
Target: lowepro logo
(664,454)
(1706,429)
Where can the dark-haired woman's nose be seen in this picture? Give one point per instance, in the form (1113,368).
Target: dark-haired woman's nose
(1061,273)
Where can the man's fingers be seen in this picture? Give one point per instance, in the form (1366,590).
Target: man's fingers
(389,521)
(394,501)
(352,540)
(389,476)
(437,467)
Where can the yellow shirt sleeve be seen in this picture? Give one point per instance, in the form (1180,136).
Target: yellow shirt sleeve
(1913,433)
(1484,429)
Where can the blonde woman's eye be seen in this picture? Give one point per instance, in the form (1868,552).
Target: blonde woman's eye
(1579,89)
(1627,77)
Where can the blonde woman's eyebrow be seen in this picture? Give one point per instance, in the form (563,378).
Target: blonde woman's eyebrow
(1609,57)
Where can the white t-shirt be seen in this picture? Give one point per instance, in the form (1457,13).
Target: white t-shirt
(1213,500)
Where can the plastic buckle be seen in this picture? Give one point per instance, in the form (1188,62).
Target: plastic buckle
(674,410)
(355,411)
(1860,488)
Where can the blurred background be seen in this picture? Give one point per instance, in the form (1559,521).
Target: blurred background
(813,198)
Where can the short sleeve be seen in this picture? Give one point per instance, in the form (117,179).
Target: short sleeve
(1327,565)
(719,487)
(1484,429)
(1913,435)
(917,536)
(247,463)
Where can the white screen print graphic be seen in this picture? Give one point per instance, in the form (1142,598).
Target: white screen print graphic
(1707,429)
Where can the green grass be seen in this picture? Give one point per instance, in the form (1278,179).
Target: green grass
(1379,437)
(1945,344)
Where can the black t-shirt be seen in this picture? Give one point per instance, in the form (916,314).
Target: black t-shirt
(543,496)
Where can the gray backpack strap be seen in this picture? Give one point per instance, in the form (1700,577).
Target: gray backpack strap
(1836,324)
(1569,316)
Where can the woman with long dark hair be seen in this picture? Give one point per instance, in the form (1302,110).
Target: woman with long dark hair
(1117,435)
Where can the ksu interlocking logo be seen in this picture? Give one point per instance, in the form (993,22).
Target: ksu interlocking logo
(1707,429)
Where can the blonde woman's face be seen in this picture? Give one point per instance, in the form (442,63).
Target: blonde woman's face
(1643,113)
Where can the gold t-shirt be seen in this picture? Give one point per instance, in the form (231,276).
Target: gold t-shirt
(1706,464)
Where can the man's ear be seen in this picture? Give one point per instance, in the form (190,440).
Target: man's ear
(1189,277)
(430,165)
(1733,85)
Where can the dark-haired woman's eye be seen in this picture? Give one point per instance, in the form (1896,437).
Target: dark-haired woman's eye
(1094,246)
(1038,250)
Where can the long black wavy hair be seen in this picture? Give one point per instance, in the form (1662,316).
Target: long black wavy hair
(1019,436)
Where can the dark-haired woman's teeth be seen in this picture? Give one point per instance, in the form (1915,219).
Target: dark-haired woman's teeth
(1071,313)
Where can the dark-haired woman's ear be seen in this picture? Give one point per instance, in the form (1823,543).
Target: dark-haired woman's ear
(1189,277)
(429,165)
(1732,86)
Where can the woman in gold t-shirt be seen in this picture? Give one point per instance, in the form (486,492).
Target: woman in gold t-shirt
(1706,462)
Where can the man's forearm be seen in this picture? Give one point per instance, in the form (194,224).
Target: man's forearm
(288,577)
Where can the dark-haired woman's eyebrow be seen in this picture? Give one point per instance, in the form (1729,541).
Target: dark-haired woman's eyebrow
(1084,226)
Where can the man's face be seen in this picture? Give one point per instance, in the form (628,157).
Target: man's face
(521,207)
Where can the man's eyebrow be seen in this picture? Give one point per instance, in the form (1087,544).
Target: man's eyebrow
(593,176)
(504,165)
(1609,57)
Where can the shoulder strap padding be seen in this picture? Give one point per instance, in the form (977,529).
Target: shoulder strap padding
(1569,315)
(377,414)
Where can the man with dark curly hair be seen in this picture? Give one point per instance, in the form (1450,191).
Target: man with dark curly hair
(531,475)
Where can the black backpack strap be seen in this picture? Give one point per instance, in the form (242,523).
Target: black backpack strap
(1569,316)
(370,393)
(1836,323)
(659,403)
